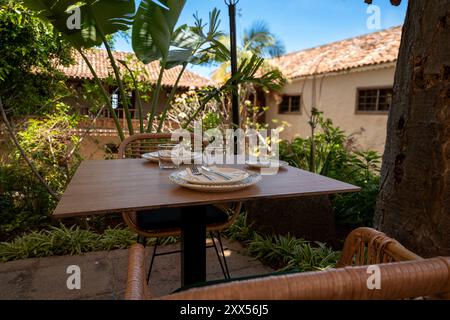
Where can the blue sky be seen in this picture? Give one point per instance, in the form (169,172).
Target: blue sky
(301,24)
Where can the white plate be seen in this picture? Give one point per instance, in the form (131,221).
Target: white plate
(154,156)
(252,179)
(271,164)
(235,175)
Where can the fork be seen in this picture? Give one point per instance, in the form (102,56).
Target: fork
(220,174)
(196,172)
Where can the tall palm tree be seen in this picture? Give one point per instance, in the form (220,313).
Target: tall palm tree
(257,40)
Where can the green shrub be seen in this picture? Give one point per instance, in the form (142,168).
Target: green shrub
(288,253)
(239,230)
(25,204)
(117,238)
(329,154)
(64,240)
(285,253)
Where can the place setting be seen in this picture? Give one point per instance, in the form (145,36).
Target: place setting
(167,152)
(198,170)
(214,179)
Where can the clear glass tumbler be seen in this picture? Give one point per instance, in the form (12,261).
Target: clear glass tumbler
(169,156)
(215,156)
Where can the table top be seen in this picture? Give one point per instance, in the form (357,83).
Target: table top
(115,186)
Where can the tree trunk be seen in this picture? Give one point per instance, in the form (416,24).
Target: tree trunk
(414,202)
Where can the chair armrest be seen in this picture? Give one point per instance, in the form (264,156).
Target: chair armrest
(136,284)
(365,246)
(399,280)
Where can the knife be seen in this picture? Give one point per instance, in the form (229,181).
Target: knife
(217,173)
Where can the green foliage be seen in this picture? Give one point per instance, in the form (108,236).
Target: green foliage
(52,146)
(63,240)
(357,209)
(184,107)
(54,150)
(328,154)
(211,120)
(98,18)
(154,28)
(290,254)
(240,230)
(247,74)
(30,48)
(252,114)
(24,202)
(117,238)
(257,41)
(329,145)
(285,253)
(261,41)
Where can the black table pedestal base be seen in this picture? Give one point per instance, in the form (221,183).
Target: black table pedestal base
(193,247)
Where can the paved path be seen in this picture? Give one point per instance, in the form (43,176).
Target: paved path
(103,274)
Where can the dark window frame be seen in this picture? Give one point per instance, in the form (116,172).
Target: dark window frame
(120,111)
(291,97)
(377,111)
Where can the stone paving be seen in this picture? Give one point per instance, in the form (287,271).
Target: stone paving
(103,274)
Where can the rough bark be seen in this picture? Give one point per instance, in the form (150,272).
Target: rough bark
(414,202)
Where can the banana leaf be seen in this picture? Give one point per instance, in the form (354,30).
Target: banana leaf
(154,28)
(105,16)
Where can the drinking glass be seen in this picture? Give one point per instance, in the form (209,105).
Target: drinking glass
(215,155)
(264,157)
(169,156)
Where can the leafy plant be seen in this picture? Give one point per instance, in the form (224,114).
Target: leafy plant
(28,45)
(54,149)
(290,254)
(248,73)
(153,31)
(117,238)
(64,240)
(154,37)
(285,253)
(328,153)
(173,47)
(24,202)
(258,41)
(240,230)
(73,240)
(52,145)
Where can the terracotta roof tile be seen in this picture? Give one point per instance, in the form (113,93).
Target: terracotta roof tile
(371,49)
(100,62)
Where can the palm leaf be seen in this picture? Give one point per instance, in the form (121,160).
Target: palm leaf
(97,16)
(192,45)
(154,28)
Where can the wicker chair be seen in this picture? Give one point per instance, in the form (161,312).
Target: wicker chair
(405,276)
(147,224)
(365,246)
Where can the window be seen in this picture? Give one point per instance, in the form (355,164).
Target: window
(374,100)
(116,102)
(290,104)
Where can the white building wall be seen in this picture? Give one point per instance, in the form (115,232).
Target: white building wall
(337,98)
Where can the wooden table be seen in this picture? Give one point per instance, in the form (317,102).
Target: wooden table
(115,186)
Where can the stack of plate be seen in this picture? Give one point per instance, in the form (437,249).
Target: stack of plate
(272,163)
(213,181)
(154,157)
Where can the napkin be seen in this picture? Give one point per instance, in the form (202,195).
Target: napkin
(236,175)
